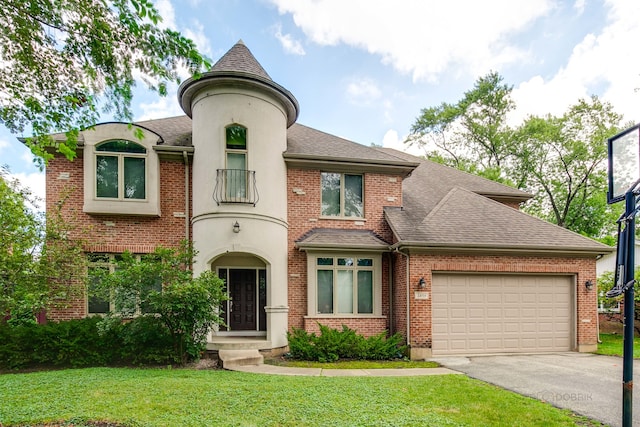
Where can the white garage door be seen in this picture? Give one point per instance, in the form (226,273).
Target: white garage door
(487,313)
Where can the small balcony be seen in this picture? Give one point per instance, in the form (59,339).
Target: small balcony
(236,186)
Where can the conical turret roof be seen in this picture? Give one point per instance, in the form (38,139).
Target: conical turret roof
(239,58)
(238,68)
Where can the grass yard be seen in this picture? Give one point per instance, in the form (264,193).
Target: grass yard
(184,397)
(612,345)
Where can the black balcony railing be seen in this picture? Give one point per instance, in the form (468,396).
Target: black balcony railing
(236,186)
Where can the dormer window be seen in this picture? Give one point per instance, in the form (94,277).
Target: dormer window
(121,170)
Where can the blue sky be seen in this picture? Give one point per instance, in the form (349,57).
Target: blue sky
(363,69)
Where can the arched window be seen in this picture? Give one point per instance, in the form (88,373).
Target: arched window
(121,170)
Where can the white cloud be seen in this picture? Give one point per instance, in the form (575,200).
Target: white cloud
(288,43)
(418,37)
(4,144)
(392,140)
(579,6)
(363,91)
(197,34)
(167,12)
(604,60)
(163,107)
(35,182)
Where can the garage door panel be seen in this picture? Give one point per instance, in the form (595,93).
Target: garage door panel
(501,313)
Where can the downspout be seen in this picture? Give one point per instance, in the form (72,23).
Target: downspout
(186,196)
(391,299)
(408,299)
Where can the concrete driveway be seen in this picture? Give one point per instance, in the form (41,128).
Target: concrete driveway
(587,384)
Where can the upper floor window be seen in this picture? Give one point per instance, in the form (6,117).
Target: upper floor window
(342,195)
(121,170)
(236,156)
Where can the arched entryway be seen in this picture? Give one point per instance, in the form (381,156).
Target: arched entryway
(245,277)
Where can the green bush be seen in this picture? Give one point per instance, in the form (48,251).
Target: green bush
(86,342)
(334,344)
(74,343)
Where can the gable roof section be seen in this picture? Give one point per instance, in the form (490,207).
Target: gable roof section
(332,238)
(443,178)
(311,148)
(467,221)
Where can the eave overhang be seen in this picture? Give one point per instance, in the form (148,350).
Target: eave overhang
(340,164)
(238,79)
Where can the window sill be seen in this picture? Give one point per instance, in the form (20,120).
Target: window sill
(343,218)
(121,207)
(345,316)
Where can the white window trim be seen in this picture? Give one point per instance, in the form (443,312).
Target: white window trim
(150,206)
(312,278)
(342,198)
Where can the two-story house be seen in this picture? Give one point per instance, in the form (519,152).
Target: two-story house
(306,227)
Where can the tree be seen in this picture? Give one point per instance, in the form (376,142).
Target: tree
(65,61)
(562,161)
(161,285)
(473,133)
(39,265)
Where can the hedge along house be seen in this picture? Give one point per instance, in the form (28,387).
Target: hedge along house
(307,228)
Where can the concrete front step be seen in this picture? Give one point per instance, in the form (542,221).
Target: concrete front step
(233,358)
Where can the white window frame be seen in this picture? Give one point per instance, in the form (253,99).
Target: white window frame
(312,282)
(341,214)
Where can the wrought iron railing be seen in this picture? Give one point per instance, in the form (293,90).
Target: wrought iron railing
(236,186)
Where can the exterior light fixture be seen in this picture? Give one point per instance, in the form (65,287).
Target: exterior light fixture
(421,283)
(588,284)
(236,227)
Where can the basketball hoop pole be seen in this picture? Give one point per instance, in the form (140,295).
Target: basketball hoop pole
(629,307)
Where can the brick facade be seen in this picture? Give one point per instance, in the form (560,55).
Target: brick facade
(303,189)
(115,233)
(423,265)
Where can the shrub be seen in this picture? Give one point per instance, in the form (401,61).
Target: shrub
(73,343)
(333,344)
(86,342)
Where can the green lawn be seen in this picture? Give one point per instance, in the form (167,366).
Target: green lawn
(612,345)
(184,397)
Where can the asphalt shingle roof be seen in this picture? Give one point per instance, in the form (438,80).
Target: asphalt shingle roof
(341,238)
(240,58)
(303,141)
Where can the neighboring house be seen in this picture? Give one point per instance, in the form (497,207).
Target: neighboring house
(608,261)
(307,228)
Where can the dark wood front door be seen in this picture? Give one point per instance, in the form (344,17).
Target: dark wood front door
(242,291)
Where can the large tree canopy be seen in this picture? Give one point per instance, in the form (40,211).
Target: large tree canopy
(63,62)
(560,160)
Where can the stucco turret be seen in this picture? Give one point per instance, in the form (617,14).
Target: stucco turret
(240,119)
